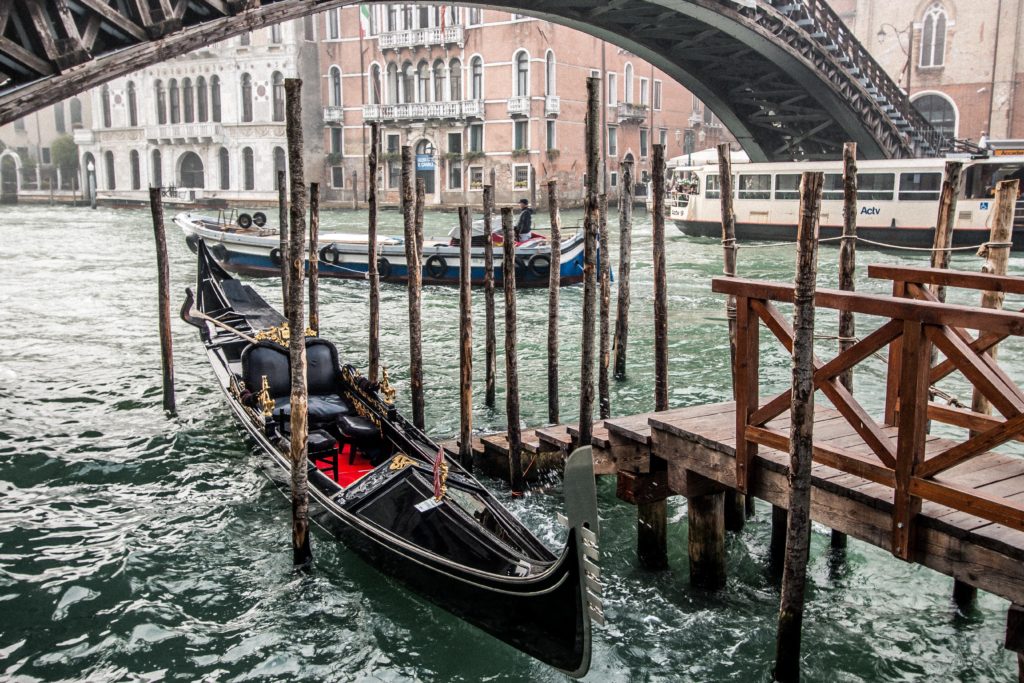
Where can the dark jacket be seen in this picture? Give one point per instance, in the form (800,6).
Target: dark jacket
(524,224)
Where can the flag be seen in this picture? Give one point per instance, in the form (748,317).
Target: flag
(364,20)
(440,474)
(444,12)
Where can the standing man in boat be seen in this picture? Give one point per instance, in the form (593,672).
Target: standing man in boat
(524,222)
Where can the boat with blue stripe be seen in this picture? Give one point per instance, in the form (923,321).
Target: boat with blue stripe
(247,246)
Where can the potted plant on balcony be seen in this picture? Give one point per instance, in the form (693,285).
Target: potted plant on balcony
(391,156)
(470,157)
(553,153)
(334,158)
(453,156)
(520,152)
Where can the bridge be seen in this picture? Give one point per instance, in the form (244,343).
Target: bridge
(786,77)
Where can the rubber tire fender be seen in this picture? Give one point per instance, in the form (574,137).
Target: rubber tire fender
(539,265)
(244,221)
(259,219)
(275,256)
(383,268)
(330,254)
(436,266)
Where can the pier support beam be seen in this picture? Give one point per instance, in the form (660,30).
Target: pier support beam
(649,493)
(1015,636)
(705,513)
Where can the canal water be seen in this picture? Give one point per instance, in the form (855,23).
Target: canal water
(134,546)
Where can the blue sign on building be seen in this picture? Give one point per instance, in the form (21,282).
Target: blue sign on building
(424,162)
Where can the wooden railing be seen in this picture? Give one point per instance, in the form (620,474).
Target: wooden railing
(915,323)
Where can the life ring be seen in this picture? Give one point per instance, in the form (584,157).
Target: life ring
(330,254)
(220,252)
(244,220)
(436,266)
(193,243)
(275,256)
(259,218)
(383,268)
(539,264)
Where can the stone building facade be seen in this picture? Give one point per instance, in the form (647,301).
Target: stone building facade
(477,91)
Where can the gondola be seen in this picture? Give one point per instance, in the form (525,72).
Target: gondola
(374,484)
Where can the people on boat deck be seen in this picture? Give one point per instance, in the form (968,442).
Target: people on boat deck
(524,222)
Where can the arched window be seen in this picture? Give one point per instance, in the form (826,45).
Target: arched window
(161,101)
(105,103)
(438,76)
(58,117)
(933,36)
(408,83)
(522,66)
(280,165)
(191,173)
(76,112)
(392,83)
(246,98)
(156,174)
(476,87)
(375,86)
(335,87)
(175,100)
(939,112)
(248,169)
(627,84)
(423,85)
(215,98)
(187,101)
(202,109)
(455,79)
(133,159)
(549,73)
(277,91)
(225,169)
(275,34)
(108,163)
(133,108)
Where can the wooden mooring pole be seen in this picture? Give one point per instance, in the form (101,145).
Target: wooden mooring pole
(801,435)
(414,285)
(604,326)
(314,257)
(302,553)
(590,227)
(554,292)
(625,259)
(508,279)
(466,339)
(735,503)
(163,280)
(490,341)
(282,220)
(373,325)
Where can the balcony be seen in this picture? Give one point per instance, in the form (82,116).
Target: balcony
(422,111)
(422,37)
(552,105)
(519,106)
(185,133)
(629,111)
(334,114)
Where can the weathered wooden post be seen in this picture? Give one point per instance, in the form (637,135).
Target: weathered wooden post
(944,224)
(466,340)
(156,206)
(282,221)
(508,279)
(705,519)
(735,503)
(355,190)
(490,342)
(373,345)
(604,327)
(302,554)
(554,292)
(314,257)
(590,227)
(414,285)
(421,193)
(625,260)
(801,436)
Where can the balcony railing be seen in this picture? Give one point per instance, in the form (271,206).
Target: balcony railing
(334,114)
(552,105)
(185,132)
(629,111)
(424,110)
(519,106)
(422,37)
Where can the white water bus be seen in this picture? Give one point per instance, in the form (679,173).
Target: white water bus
(897,199)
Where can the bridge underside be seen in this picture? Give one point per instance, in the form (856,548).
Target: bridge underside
(781,86)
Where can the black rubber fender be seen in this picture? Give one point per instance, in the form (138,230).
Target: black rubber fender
(330,254)
(259,219)
(436,266)
(220,252)
(275,256)
(244,220)
(539,265)
(383,268)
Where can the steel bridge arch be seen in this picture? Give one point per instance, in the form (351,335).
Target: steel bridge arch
(786,77)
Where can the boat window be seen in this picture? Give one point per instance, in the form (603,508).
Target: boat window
(833,187)
(755,186)
(712,188)
(875,186)
(920,186)
(787,186)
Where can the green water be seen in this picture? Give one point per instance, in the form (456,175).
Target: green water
(139,547)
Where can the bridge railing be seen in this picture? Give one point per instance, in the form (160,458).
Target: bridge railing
(895,451)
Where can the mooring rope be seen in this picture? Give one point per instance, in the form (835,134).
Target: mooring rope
(731,243)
